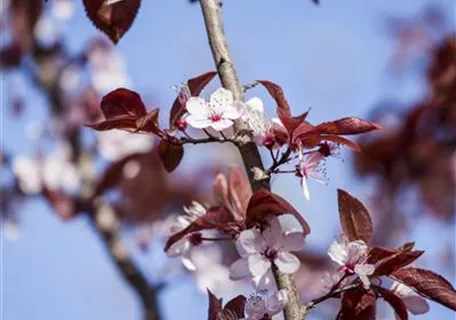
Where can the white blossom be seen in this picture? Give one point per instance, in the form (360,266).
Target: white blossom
(415,303)
(351,256)
(116,144)
(259,250)
(309,166)
(184,246)
(28,173)
(265,305)
(218,113)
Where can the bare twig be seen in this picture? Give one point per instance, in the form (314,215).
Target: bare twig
(249,151)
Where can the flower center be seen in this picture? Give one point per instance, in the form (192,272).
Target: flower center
(271,254)
(196,239)
(214,117)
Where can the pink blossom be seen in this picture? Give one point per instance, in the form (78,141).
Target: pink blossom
(414,302)
(184,246)
(351,256)
(262,305)
(259,250)
(309,166)
(218,113)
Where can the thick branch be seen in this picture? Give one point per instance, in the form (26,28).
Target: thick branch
(249,151)
(126,267)
(105,224)
(225,67)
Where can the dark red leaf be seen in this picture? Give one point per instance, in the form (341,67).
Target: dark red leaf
(312,140)
(283,108)
(277,94)
(215,306)
(378,253)
(237,306)
(114,173)
(346,126)
(427,284)
(127,123)
(239,189)
(149,123)
(195,85)
(170,154)
(264,203)
(357,304)
(395,302)
(113,19)
(123,102)
(396,261)
(354,218)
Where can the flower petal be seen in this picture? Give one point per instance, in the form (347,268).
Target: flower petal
(221,124)
(198,123)
(293,241)
(276,302)
(250,242)
(258,265)
(338,252)
(286,262)
(416,304)
(256,104)
(233,110)
(265,282)
(273,234)
(220,99)
(305,188)
(239,269)
(187,261)
(196,106)
(178,248)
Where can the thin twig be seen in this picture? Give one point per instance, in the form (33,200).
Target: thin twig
(329,295)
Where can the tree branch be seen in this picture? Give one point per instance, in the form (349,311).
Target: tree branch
(118,253)
(249,151)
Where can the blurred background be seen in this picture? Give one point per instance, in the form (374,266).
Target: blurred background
(393,62)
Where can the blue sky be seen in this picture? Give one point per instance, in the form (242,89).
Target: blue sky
(332,58)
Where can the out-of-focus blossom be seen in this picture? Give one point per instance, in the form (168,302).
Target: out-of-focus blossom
(108,69)
(184,246)
(55,171)
(351,256)
(218,113)
(259,250)
(63,9)
(116,144)
(309,166)
(59,173)
(264,305)
(47,30)
(415,303)
(211,273)
(28,173)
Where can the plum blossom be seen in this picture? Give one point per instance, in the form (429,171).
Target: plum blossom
(116,144)
(262,306)
(211,273)
(414,302)
(351,256)
(56,171)
(259,250)
(309,166)
(262,127)
(218,113)
(184,246)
